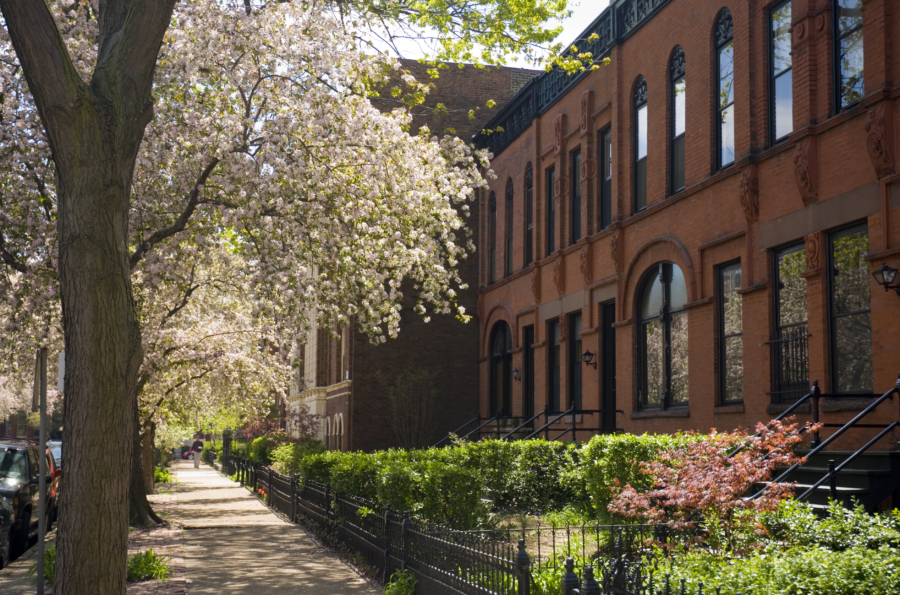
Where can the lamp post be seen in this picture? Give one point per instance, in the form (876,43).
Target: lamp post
(885,275)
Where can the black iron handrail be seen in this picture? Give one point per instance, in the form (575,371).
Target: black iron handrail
(550,422)
(546,411)
(813,393)
(850,424)
(478,429)
(475,419)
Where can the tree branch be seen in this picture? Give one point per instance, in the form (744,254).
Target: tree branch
(180,223)
(9,259)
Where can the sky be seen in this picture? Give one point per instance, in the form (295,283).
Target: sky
(583,14)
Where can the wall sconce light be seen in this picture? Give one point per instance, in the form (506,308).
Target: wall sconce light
(588,358)
(885,275)
(516,374)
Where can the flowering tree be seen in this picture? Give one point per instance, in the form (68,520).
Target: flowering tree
(701,481)
(190,244)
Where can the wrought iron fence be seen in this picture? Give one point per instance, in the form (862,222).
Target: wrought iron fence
(599,560)
(791,364)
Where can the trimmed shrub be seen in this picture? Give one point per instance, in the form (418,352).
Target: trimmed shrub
(287,458)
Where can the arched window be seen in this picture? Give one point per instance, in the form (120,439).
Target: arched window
(724,89)
(501,370)
(492,241)
(509,227)
(529,216)
(663,340)
(679,107)
(848,49)
(640,145)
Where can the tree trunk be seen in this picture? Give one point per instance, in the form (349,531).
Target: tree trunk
(140,513)
(94,130)
(147,441)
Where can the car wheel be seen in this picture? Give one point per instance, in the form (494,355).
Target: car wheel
(20,539)
(191,457)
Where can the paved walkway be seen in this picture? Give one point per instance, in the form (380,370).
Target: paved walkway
(233,544)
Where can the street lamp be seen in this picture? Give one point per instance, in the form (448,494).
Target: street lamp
(516,374)
(885,275)
(588,357)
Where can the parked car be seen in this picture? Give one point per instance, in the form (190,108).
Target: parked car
(19,466)
(6,532)
(188,454)
(55,447)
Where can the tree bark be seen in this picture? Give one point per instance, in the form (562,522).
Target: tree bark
(94,131)
(140,513)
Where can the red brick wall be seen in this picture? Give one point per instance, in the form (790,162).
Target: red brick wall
(705,224)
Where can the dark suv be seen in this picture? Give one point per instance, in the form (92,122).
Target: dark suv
(19,487)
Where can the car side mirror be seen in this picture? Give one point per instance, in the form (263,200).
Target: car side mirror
(57,473)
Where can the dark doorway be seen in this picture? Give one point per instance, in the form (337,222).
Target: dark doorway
(501,370)
(528,389)
(608,367)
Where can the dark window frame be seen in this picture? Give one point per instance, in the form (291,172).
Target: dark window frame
(639,102)
(724,35)
(836,38)
(773,76)
(575,197)
(528,371)
(528,247)
(721,336)
(832,235)
(550,174)
(784,391)
(510,202)
(604,191)
(575,372)
(677,73)
(492,238)
(500,404)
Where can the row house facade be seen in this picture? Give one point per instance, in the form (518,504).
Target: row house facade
(699,218)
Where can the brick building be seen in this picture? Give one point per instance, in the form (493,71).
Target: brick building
(347,380)
(703,215)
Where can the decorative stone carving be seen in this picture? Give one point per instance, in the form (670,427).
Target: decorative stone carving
(677,67)
(614,252)
(560,186)
(750,193)
(587,263)
(724,28)
(806,170)
(559,276)
(880,137)
(820,23)
(588,169)
(640,92)
(559,133)
(800,31)
(563,328)
(586,104)
(536,284)
(812,251)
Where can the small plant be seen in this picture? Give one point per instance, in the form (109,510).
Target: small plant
(402,582)
(262,494)
(233,478)
(161,475)
(148,565)
(49,564)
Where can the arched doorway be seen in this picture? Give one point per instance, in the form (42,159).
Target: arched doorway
(501,370)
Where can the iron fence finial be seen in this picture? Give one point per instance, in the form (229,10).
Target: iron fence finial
(590,586)
(570,580)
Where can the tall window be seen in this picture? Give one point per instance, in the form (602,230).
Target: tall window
(780,68)
(509,227)
(731,341)
(576,196)
(640,145)
(528,388)
(501,370)
(725,89)
(575,363)
(529,216)
(790,358)
(605,193)
(848,45)
(851,322)
(663,338)
(21,424)
(551,212)
(492,242)
(679,105)
(553,375)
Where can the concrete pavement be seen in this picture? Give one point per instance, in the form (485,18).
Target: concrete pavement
(233,544)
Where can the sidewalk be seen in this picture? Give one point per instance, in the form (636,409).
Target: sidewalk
(233,544)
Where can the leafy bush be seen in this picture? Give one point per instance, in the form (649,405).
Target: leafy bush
(258,450)
(402,582)
(287,459)
(238,449)
(795,524)
(148,566)
(161,475)
(49,566)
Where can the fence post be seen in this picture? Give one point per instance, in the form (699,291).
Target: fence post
(570,582)
(270,497)
(816,393)
(590,585)
(388,517)
(327,505)
(523,570)
(407,528)
(240,471)
(294,498)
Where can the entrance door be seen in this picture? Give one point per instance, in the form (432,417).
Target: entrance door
(501,370)
(608,367)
